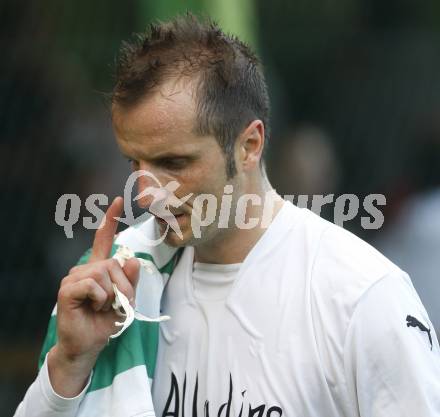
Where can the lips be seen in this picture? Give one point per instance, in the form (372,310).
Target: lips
(167,219)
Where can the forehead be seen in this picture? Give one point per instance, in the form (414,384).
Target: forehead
(166,114)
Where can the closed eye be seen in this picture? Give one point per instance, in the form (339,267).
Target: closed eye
(167,162)
(173,163)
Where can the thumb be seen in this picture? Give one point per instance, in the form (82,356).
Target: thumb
(131,270)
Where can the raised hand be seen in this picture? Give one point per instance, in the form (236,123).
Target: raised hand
(85,318)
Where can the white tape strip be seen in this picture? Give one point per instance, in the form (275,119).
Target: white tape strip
(121,304)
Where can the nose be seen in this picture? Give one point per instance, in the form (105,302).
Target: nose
(148,188)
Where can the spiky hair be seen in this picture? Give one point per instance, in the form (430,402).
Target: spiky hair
(230,87)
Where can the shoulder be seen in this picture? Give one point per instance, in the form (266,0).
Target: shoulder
(336,264)
(345,266)
(387,310)
(391,351)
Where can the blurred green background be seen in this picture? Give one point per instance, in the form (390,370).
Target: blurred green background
(355,89)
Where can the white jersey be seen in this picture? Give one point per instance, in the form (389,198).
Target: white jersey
(315,323)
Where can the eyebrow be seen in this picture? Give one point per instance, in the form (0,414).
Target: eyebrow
(169,155)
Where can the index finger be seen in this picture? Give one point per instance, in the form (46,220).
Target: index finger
(105,234)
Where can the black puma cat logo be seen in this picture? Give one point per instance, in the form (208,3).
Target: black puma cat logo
(413,322)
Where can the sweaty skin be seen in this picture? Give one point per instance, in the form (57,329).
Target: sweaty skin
(158,136)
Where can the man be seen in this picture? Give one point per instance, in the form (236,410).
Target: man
(300,318)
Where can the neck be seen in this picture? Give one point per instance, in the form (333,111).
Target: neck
(233,245)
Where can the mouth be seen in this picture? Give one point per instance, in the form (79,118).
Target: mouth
(168,219)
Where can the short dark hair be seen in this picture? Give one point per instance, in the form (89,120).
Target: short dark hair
(230,92)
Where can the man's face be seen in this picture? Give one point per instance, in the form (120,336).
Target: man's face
(157,135)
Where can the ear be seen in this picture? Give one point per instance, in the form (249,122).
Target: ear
(250,145)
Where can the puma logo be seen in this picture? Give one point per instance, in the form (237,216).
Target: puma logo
(413,322)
